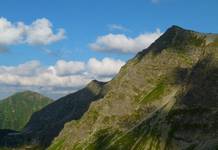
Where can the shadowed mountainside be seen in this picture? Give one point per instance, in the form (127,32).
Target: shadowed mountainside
(46,124)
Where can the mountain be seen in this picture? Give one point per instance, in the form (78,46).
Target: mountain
(16,110)
(46,124)
(166,97)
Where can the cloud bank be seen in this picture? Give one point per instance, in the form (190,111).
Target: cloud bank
(123,44)
(61,78)
(39,32)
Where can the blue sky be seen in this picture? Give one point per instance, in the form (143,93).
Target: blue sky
(91,31)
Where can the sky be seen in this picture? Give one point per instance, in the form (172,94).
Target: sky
(56,47)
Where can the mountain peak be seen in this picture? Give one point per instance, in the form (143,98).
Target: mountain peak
(95,86)
(179,38)
(176,28)
(26,92)
(95,82)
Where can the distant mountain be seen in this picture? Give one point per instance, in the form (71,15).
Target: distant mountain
(16,110)
(165,98)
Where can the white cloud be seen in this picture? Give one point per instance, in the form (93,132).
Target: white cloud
(25,69)
(34,74)
(11,33)
(38,33)
(61,77)
(64,68)
(106,67)
(124,44)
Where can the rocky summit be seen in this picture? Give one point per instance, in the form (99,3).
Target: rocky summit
(165,98)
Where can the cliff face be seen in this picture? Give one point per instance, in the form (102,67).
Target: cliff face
(164,98)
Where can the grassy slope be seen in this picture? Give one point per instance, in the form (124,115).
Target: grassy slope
(15,111)
(144,101)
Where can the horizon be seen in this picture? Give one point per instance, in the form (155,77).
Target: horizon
(56,53)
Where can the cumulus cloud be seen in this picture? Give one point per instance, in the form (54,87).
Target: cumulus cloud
(62,77)
(26,69)
(106,67)
(124,44)
(64,68)
(40,32)
(11,33)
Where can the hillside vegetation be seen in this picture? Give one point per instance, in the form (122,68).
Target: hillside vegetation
(16,110)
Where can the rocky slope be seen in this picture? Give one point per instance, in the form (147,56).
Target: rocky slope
(16,110)
(164,98)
